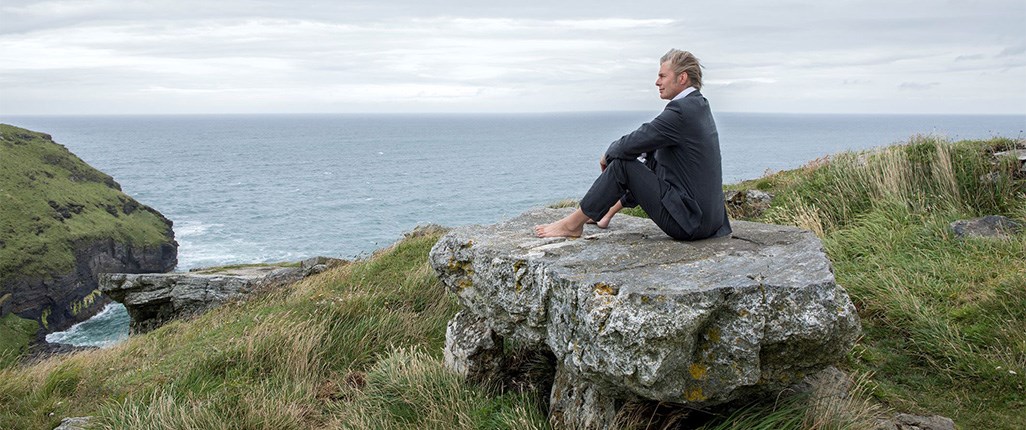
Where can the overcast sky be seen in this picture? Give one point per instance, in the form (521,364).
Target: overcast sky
(241,56)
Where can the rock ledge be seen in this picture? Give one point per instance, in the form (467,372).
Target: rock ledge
(154,299)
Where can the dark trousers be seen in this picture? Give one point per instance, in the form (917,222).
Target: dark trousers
(633,183)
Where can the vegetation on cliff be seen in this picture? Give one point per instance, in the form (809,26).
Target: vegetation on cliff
(359,346)
(52,202)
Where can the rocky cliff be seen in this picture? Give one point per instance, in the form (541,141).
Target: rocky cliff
(62,223)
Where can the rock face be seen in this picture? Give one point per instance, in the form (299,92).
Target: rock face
(630,314)
(62,222)
(154,299)
(988,226)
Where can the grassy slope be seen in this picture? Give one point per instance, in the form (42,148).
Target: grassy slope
(944,319)
(36,237)
(359,346)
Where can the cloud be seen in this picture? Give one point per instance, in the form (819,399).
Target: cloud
(110,56)
(1013,50)
(969,57)
(917,86)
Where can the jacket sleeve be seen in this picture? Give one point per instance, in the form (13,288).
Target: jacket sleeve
(661,132)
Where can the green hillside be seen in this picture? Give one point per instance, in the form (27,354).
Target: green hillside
(51,199)
(50,203)
(359,346)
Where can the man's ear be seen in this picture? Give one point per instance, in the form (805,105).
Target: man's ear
(683,79)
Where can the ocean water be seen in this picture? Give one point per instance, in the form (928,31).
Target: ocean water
(265,188)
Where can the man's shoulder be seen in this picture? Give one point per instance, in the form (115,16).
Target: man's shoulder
(695,100)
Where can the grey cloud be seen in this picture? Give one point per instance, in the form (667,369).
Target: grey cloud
(532,53)
(917,86)
(969,57)
(1013,50)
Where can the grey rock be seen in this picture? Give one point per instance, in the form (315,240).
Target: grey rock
(472,350)
(1018,154)
(324,263)
(74,423)
(154,299)
(747,203)
(629,313)
(988,226)
(917,422)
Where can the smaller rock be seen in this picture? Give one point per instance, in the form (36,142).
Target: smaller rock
(1019,154)
(916,422)
(74,423)
(315,265)
(988,226)
(829,382)
(748,203)
(312,262)
(426,230)
(282,276)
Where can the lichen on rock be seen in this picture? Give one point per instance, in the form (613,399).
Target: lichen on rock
(631,314)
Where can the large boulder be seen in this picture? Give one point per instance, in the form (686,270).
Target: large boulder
(630,314)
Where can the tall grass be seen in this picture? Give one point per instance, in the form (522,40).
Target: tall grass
(944,318)
(925,175)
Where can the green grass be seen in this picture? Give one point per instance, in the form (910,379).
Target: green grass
(37,235)
(359,345)
(17,333)
(944,319)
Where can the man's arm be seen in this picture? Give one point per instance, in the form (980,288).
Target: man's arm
(661,132)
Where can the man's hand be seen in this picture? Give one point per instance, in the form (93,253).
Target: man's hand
(602,162)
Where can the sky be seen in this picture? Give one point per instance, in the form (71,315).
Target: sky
(352,56)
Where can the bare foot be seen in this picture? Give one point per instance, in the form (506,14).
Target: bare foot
(560,228)
(604,222)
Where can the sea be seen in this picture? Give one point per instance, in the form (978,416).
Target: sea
(271,188)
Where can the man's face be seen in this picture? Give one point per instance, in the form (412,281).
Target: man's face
(670,84)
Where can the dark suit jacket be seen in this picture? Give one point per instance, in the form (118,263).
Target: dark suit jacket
(683,149)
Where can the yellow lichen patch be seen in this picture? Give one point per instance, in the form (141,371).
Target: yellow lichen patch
(465,283)
(698,371)
(714,335)
(461,266)
(518,275)
(743,312)
(694,394)
(604,289)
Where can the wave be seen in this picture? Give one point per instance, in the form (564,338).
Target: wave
(105,329)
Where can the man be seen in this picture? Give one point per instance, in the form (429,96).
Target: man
(680,183)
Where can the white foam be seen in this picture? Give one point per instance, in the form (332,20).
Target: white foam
(189,228)
(105,329)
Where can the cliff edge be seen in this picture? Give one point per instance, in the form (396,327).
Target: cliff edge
(62,222)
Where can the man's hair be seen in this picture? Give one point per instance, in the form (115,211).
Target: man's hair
(684,62)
